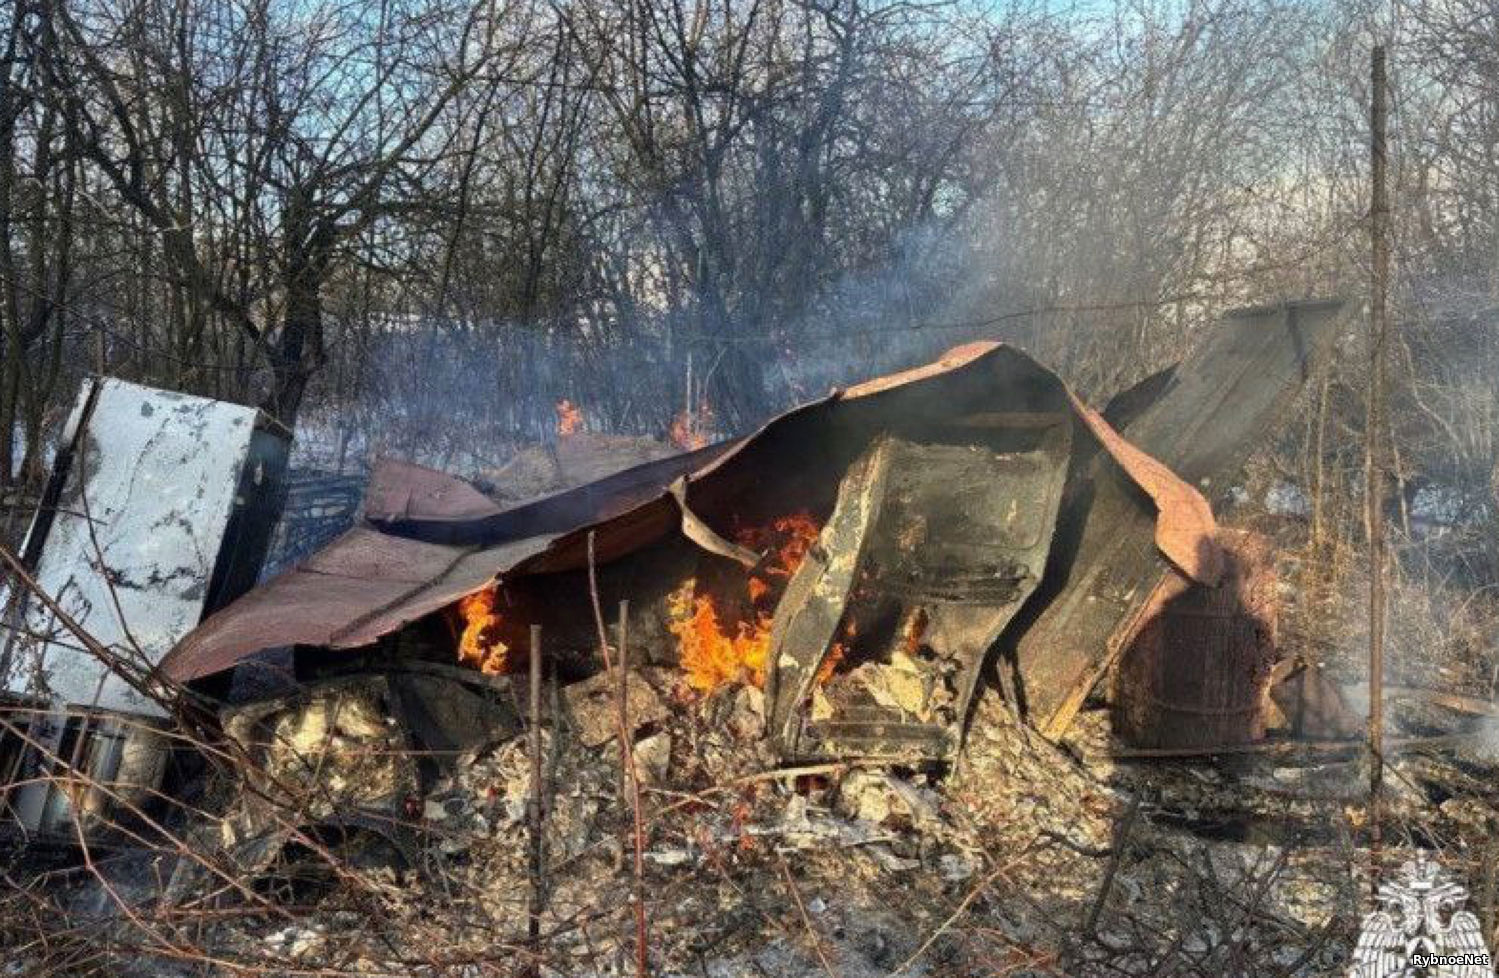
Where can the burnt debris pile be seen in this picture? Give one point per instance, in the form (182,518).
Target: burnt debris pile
(946,673)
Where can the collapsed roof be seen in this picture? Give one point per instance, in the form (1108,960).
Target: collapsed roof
(428,539)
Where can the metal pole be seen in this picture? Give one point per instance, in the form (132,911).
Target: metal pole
(1374,467)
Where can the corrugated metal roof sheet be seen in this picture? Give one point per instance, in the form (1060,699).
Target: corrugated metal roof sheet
(432,542)
(363,585)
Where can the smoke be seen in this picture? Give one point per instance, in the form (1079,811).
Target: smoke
(463,397)
(876,321)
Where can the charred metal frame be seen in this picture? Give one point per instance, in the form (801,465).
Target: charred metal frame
(950,535)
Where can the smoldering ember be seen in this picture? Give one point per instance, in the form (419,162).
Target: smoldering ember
(858,489)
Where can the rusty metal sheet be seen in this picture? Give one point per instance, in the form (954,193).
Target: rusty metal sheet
(428,544)
(404,493)
(958,356)
(557,513)
(471,571)
(700,533)
(1184,521)
(364,585)
(613,538)
(972,380)
(326,602)
(1196,670)
(1214,409)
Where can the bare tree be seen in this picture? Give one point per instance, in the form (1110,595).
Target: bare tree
(301,127)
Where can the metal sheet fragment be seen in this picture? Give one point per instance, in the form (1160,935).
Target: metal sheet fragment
(941,541)
(1199,425)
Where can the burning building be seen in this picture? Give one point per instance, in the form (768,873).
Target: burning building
(869,561)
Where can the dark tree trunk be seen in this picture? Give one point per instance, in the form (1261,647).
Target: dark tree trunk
(736,390)
(292,363)
(297,351)
(11,349)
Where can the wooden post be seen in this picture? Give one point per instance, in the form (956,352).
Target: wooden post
(622,700)
(1488,885)
(627,760)
(534,803)
(1374,466)
(627,755)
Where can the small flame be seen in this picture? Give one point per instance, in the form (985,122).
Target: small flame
(787,540)
(838,652)
(915,631)
(479,645)
(569,418)
(830,663)
(690,429)
(717,646)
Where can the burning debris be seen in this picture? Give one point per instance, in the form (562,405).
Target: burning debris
(692,429)
(714,653)
(859,560)
(928,554)
(823,682)
(569,418)
(479,645)
(723,639)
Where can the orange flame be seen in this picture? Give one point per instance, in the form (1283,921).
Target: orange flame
(787,540)
(690,429)
(569,418)
(915,631)
(479,645)
(837,653)
(718,647)
(712,655)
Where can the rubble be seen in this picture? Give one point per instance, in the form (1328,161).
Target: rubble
(1028,858)
(593,705)
(880,797)
(653,758)
(332,749)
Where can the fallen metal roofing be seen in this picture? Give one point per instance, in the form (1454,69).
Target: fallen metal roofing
(430,538)
(1202,419)
(362,586)
(411,501)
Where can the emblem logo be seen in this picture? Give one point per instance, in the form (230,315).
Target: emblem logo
(1421,929)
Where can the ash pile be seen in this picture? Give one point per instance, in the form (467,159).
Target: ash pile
(945,674)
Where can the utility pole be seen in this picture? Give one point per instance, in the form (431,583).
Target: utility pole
(1374,463)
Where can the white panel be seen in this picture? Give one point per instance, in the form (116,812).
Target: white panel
(155,475)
